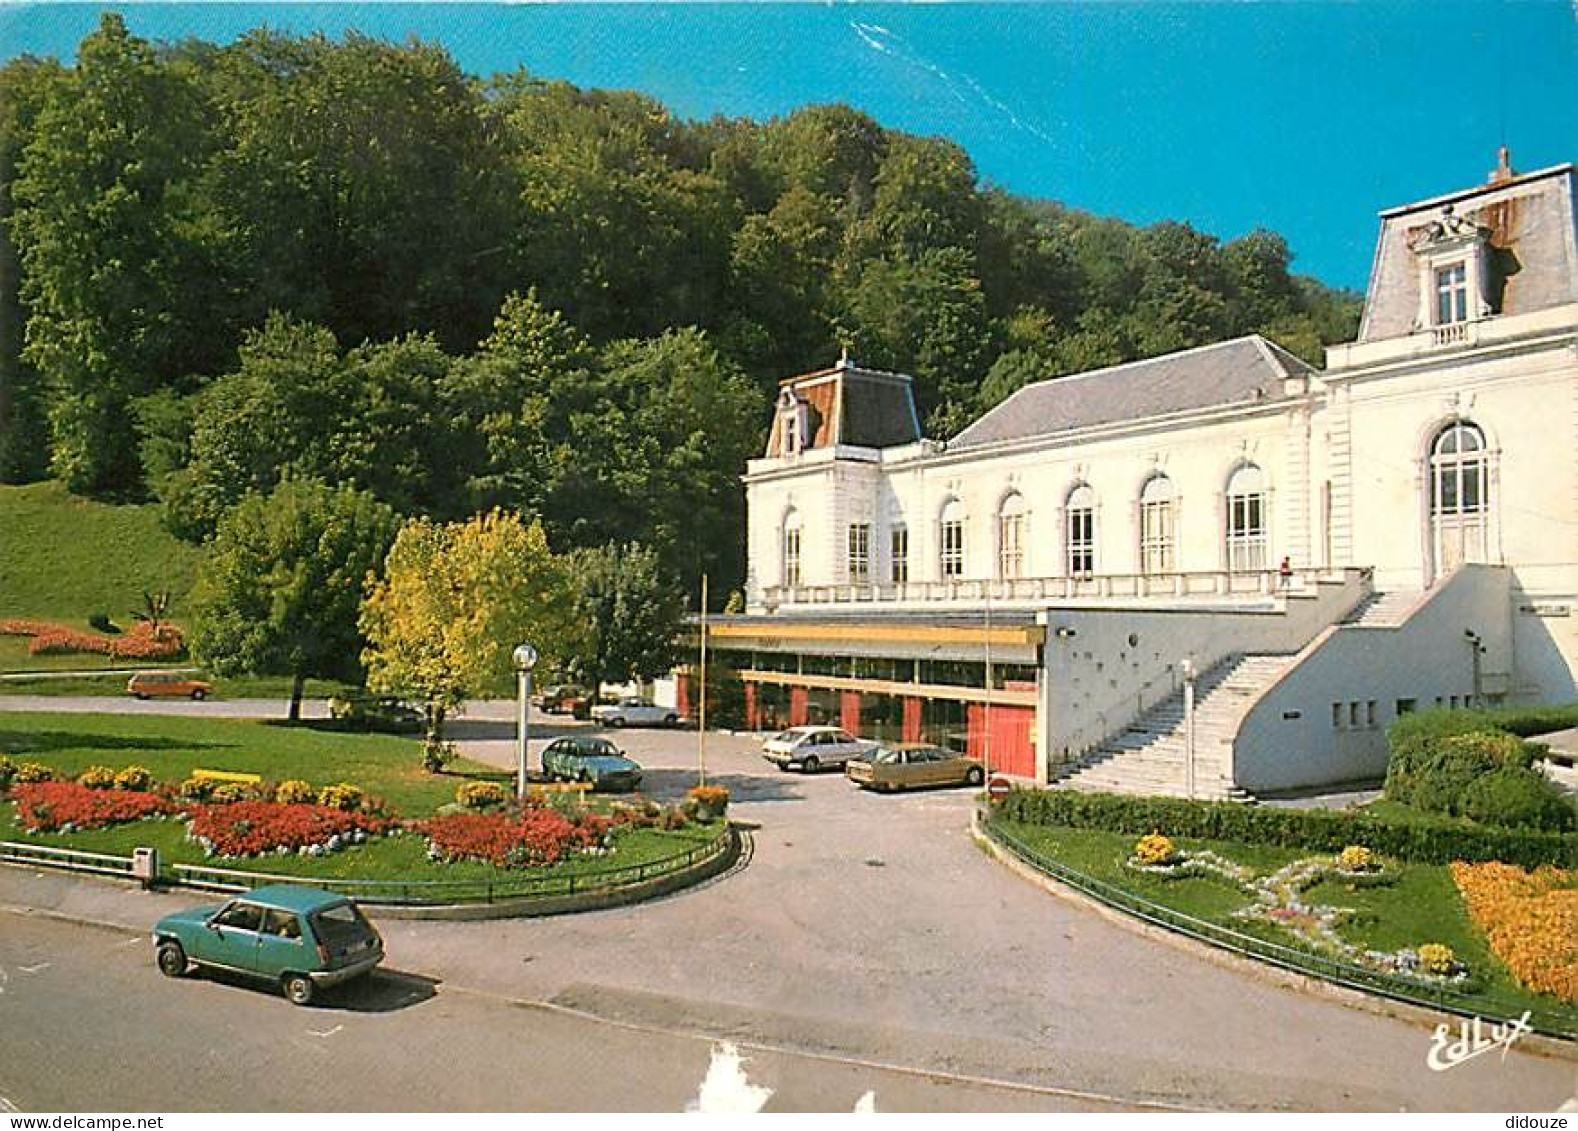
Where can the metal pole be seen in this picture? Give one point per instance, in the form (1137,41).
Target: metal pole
(986,745)
(1188,667)
(701,691)
(523,731)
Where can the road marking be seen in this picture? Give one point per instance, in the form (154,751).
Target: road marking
(35,969)
(326,1032)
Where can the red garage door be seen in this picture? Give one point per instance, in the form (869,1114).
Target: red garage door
(1013,747)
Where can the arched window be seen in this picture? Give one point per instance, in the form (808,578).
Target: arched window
(950,541)
(1156,525)
(1011,537)
(1459,502)
(1246,520)
(791,541)
(1080,531)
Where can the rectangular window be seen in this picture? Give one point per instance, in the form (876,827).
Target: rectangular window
(1081,542)
(1451,294)
(1353,714)
(1406,706)
(952,557)
(860,553)
(1369,714)
(1156,537)
(1011,546)
(1246,533)
(1336,716)
(899,555)
(792,557)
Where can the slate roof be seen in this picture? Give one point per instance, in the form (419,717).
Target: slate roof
(1532,219)
(849,405)
(1241,371)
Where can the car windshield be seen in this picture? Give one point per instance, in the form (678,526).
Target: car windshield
(886,756)
(600,750)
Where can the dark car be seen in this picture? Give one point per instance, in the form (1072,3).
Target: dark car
(385,713)
(565,699)
(593,760)
(299,938)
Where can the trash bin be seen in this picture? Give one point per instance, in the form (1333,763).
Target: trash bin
(145,866)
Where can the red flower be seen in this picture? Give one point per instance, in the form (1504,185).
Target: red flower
(251,828)
(534,836)
(46,806)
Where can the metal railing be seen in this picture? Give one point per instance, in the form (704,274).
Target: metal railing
(414,893)
(67,859)
(1300,961)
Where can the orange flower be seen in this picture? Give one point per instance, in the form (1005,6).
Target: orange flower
(1531,920)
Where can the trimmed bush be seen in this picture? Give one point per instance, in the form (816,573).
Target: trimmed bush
(342,795)
(295,792)
(97,777)
(135,778)
(1427,841)
(7,772)
(1515,797)
(481,794)
(102,622)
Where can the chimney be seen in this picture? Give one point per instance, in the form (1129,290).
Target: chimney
(1503,170)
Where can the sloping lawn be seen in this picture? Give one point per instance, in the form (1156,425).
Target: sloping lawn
(1422,906)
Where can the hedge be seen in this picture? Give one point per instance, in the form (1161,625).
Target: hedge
(1426,841)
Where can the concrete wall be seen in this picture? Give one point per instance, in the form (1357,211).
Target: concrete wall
(1290,738)
(1119,662)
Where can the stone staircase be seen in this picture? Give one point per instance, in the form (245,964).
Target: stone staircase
(1385,610)
(1149,756)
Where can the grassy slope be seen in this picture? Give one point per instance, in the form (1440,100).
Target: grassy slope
(1422,906)
(384,765)
(64,558)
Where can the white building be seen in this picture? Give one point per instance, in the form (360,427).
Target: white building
(1311,551)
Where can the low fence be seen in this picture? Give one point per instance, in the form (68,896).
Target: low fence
(407,893)
(1305,962)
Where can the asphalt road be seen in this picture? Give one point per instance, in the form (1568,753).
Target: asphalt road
(865,930)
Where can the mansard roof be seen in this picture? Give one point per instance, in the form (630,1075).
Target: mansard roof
(853,406)
(1242,371)
(1528,223)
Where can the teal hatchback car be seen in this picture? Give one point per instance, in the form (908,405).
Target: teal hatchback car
(301,939)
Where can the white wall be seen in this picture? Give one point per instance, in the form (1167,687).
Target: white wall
(1287,738)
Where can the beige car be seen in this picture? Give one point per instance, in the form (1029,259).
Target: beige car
(905,764)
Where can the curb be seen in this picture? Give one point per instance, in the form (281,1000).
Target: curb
(1537,1044)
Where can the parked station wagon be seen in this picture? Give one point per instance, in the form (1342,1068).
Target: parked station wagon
(302,939)
(175,685)
(906,764)
(593,760)
(813,747)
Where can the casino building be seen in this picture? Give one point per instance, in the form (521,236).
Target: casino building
(1219,572)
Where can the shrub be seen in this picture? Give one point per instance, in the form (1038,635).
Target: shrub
(1515,797)
(1426,840)
(97,777)
(481,794)
(707,801)
(7,772)
(1356,858)
(342,795)
(295,792)
(51,806)
(1154,849)
(228,793)
(436,755)
(30,773)
(195,789)
(137,778)
(102,622)
(1437,959)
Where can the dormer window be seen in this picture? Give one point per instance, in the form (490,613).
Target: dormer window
(793,423)
(1452,293)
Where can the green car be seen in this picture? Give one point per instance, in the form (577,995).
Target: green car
(300,938)
(594,760)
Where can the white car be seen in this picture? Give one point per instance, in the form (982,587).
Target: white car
(631,711)
(813,748)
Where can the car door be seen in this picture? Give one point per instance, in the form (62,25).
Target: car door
(282,945)
(930,766)
(231,937)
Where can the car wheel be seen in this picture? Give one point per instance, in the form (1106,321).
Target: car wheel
(616,722)
(171,959)
(298,989)
(143,695)
(975,776)
(199,694)
(670,720)
(811,764)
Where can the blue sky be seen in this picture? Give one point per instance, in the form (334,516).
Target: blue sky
(1305,118)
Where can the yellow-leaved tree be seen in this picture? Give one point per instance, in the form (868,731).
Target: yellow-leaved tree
(454,602)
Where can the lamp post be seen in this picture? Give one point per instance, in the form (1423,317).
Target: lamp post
(1187,666)
(525,659)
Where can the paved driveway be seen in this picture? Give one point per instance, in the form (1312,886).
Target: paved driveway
(871,928)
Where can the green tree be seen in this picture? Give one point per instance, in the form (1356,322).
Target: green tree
(106,250)
(454,602)
(628,615)
(280,590)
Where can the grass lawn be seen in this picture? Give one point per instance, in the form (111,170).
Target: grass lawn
(384,765)
(238,687)
(65,558)
(1422,906)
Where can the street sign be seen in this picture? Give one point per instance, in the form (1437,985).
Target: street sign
(997,789)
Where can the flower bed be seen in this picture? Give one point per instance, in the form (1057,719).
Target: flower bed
(254,828)
(534,836)
(63,806)
(1530,919)
(141,642)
